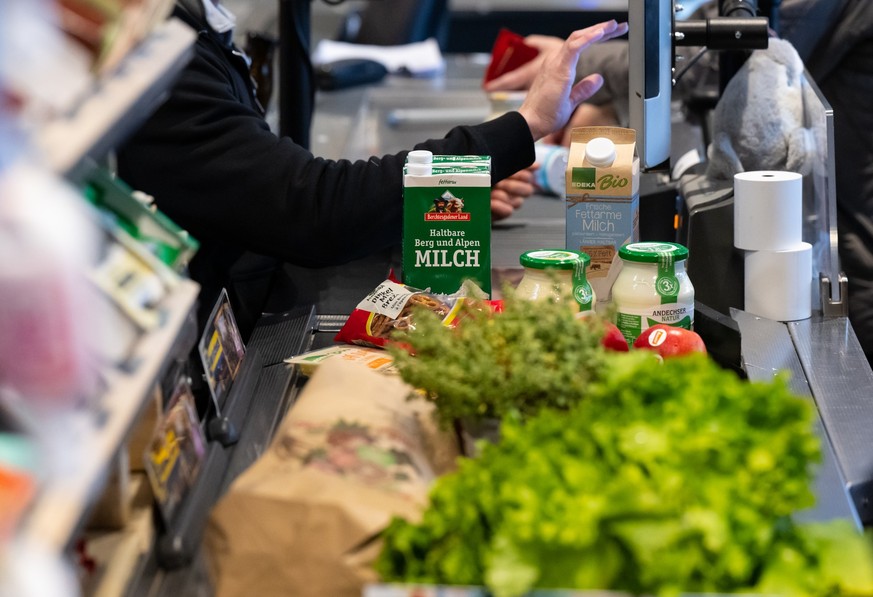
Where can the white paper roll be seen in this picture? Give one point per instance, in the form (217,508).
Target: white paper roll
(778,284)
(768,210)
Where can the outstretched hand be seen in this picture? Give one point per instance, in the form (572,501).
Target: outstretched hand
(553,96)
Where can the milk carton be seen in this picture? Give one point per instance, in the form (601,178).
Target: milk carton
(603,202)
(447,223)
(423,156)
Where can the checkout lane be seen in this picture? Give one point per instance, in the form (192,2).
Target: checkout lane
(822,355)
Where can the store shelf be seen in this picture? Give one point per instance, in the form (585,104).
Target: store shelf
(120,103)
(82,445)
(64,501)
(119,553)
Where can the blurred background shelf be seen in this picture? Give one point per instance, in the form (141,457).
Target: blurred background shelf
(66,496)
(118,104)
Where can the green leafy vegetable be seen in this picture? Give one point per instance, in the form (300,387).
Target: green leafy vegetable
(666,478)
(817,558)
(530,356)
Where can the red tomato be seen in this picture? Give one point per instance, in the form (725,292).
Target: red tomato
(669,341)
(613,339)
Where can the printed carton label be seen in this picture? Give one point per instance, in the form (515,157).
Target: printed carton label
(602,204)
(463,159)
(583,179)
(599,228)
(621,179)
(447,231)
(388,298)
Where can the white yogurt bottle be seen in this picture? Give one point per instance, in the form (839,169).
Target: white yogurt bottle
(557,275)
(550,177)
(652,288)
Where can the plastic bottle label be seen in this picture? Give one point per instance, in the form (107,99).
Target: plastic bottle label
(632,322)
(553,165)
(582,291)
(666,284)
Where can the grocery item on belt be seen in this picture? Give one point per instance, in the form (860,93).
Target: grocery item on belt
(652,288)
(603,200)
(557,275)
(371,358)
(551,174)
(352,452)
(446,221)
(391,307)
(669,341)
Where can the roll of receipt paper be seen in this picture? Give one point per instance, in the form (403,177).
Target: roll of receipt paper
(778,284)
(768,210)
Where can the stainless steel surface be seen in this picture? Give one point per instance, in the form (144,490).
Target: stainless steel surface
(829,306)
(393,119)
(767,350)
(842,382)
(823,356)
(539,224)
(539,5)
(360,122)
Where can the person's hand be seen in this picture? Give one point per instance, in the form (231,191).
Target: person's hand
(509,194)
(585,115)
(553,96)
(521,78)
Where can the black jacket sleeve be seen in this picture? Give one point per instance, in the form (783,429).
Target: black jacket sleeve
(214,167)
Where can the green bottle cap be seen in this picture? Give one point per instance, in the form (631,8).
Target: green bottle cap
(653,252)
(553,259)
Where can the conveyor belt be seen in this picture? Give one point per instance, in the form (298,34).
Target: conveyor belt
(767,349)
(842,382)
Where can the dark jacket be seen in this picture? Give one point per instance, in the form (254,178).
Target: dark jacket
(253,199)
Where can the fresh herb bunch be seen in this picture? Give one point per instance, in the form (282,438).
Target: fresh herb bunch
(668,477)
(531,355)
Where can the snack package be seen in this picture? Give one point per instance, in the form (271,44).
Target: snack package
(391,307)
(371,358)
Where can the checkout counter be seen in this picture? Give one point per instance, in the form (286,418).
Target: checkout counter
(822,353)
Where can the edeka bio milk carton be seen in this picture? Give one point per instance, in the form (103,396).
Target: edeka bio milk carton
(603,202)
(447,225)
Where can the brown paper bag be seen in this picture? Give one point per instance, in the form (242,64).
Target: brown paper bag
(304,519)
